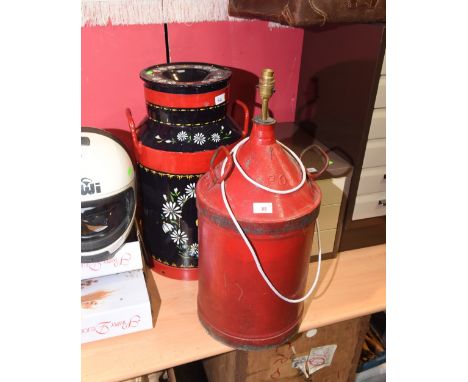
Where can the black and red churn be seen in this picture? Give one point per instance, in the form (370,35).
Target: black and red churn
(186,122)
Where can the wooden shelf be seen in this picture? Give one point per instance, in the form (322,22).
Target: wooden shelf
(351,285)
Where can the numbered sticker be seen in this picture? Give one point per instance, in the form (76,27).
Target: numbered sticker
(220,99)
(262,208)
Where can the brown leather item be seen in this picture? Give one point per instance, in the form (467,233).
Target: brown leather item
(302,13)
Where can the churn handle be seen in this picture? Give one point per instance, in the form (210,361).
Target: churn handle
(229,163)
(133,130)
(326,159)
(246,116)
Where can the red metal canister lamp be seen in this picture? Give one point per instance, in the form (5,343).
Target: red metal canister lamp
(257,213)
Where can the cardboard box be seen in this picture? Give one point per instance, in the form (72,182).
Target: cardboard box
(117,304)
(331,353)
(127,258)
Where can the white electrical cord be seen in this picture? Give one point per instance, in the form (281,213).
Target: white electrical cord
(241,232)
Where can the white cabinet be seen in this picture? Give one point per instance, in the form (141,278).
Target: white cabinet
(377,127)
(380,98)
(371,199)
(369,205)
(375,153)
(372,180)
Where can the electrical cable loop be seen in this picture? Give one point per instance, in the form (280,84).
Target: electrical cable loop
(241,231)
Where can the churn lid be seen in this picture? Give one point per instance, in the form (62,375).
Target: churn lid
(186,77)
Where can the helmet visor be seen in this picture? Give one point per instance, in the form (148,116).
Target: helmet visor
(104,221)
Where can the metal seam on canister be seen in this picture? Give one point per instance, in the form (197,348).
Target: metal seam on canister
(264,228)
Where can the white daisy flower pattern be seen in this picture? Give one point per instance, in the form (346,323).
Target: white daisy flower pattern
(172,210)
(193,250)
(172,223)
(215,137)
(182,136)
(179,237)
(190,190)
(199,139)
(167,227)
(182,199)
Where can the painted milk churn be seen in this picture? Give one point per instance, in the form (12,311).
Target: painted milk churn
(187,120)
(257,213)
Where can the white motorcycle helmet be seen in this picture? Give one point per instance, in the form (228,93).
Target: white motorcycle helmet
(108,195)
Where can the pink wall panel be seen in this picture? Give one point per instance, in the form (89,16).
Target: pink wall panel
(111,60)
(112,57)
(248,46)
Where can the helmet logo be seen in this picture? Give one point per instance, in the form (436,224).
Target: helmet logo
(89,187)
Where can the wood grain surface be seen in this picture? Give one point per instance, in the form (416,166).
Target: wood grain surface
(275,364)
(351,285)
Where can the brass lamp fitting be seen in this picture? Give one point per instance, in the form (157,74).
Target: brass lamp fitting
(266,86)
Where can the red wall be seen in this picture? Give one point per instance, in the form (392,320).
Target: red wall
(112,57)
(111,60)
(249,46)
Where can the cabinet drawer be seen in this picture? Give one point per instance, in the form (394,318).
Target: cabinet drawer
(332,190)
(327,239)
(328,217)
(377,127)
(372,180)
(375,153)
(369,206)
(380,98)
